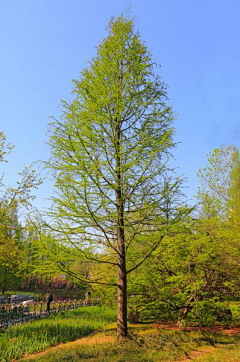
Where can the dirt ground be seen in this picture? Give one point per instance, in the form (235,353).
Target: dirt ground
(214,329)
(78,342)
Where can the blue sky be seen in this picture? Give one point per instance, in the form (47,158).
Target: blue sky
(45,44)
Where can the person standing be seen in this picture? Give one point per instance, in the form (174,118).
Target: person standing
(87,297)
(49,300)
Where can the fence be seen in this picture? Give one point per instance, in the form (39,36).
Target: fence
(15,314)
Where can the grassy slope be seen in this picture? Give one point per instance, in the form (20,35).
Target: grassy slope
(63,327)
(144,345)
(228,353)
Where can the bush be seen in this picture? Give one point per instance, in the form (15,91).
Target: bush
(210,312)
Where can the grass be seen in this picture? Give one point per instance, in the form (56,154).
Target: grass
(64,327)
(228,353)
(235,308)
(145,344)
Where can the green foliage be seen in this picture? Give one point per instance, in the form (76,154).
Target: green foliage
(219,181)
(199,263)
(5,148)
(13,200)
(118,95)
(109,160)
(235,308)
(234,191)
(196,268)
(211,312)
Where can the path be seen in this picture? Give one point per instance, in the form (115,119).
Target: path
(202,351)
(213,329)
(86,340)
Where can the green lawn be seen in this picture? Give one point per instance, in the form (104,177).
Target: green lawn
(63,327)
(144,345)
(226,353)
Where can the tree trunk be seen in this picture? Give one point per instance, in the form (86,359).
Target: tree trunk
(122,275)
(122,297)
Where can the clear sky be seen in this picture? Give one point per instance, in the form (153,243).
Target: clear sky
(45,44)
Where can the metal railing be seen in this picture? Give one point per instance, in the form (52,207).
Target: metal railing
(11,314)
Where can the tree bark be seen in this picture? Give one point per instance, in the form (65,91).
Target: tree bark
(122,298)
(122,275)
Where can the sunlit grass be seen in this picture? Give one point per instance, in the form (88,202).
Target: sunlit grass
(63,327)
(227,353)
(145,344)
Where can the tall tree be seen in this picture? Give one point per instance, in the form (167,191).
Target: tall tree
(218,180)
(218,224)
(12,199)
(234,190)
(109,159)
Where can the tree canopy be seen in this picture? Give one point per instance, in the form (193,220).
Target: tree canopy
(110,156)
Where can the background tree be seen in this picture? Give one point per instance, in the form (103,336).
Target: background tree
(109,160)
(217,180)
(13,201)
(195,270)
(234,190)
